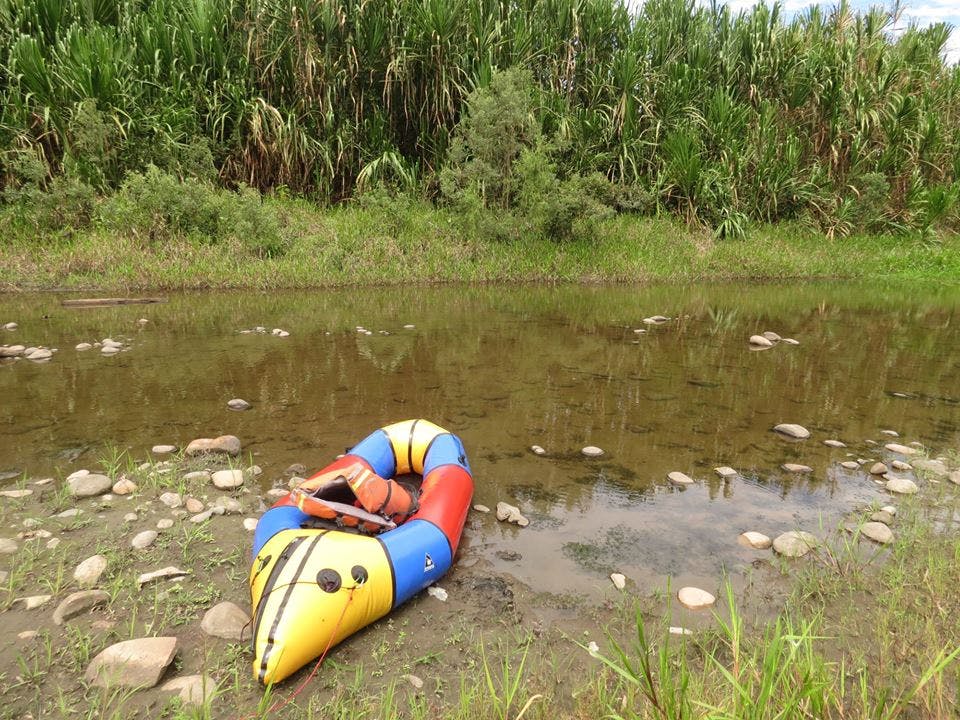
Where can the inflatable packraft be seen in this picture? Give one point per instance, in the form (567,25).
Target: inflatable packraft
(353,542)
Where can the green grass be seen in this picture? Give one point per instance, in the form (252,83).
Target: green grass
(415,243)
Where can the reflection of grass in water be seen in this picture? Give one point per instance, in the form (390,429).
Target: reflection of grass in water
(617,544)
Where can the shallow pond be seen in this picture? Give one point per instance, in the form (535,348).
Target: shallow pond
(507,368)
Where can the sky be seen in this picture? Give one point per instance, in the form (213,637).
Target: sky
(923,12)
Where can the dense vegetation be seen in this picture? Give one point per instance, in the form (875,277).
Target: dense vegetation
(552,112)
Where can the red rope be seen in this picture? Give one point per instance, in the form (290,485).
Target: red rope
(277,706)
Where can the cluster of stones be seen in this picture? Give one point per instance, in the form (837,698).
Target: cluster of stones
(34,353)
(768,340)
(108,346)
(261,330)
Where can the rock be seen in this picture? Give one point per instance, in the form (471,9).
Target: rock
(902,486)
(878,469)
(163,449)
(109,350)
(142,321)
(207,514)
(123,486)
(39,354)
(834,443)
(295,481)
(250,524)
(955,477)
(192,505)
(409,327)
(143,540)
(674,630)
(167,572)
(110,342)
(900,449)
(69,514)
(850,465)
(511,513)
(87,573)
(32,602)
(619,580)
(132,663)
(797,468)
(83,346)
(238,404)
(935,467)
(795,543)
(792,430)
(27,635)
(537,450)
(89,485)
(695,598)
(230,505)
(755,540)
(79,602)
(7,546)
(725,472)
(44,481)
(201,476)
(130,517)
(878,532)
(225,444)
(591,451)
(416,682)
(772,336)
(171,500)
(790,341)
(16,494)
(253,471)
(227,479)
(882,516)
(889,509)
(193,690)
(437,592)
(8,351)
(760,341)
(226,620)
(276,493)
(678,478)
(901,465)
(164,524)
(891,433)
(10,326)
(481,508)
(296,469)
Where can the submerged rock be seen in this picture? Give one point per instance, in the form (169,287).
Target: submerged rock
(133,663)
(900,449)
(695,598)
(792,430)
(795,543)
(760,341)
(797,468)
(678,478)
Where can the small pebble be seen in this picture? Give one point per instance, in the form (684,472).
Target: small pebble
(481,508)
(537,450)
(619,580)
(164,524)
(592,451)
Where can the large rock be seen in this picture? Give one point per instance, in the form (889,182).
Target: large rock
(795,543)
(760,341)
(792,430)
(133,663)
(878,532)
(227,479)
(900,449)
(87,573)
(226,620)
(695,598)
(225,445)
(7,351)
(40,354)
(902,486)
(89,485)
(755,540)
(79,602)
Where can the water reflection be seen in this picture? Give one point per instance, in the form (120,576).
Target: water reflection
(509,367)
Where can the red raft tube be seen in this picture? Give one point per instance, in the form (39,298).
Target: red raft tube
(311,586)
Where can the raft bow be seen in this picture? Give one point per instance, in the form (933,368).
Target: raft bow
(313,587)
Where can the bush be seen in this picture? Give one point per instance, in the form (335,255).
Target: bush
(161,206)
(62,204)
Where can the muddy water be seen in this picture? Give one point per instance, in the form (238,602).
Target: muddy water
(507,368)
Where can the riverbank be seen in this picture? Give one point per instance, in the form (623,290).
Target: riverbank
(857,628)
(408,242)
